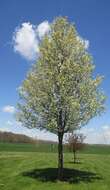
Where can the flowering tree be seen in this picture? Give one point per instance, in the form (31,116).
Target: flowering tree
(75,143)
(59,93)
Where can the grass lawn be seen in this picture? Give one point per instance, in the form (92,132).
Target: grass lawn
(37,171)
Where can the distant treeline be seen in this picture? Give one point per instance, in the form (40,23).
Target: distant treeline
(15,138)
(20,138)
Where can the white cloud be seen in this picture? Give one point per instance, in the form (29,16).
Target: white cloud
(83,41)
(26,39)
(100,135)
(106,127)
(8,109)
(43,29)
(10,123)
(86,44)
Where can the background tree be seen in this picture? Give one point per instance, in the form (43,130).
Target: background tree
(75,143)
(60,93)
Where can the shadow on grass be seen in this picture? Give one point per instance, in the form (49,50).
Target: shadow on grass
(70,175)
(72,162)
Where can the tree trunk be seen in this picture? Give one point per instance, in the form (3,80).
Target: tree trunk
(74,156)
(60,156)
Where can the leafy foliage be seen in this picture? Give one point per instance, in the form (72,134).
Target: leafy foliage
(60,93)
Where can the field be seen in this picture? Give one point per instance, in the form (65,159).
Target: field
(33,170)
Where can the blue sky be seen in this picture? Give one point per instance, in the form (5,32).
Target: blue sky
(92,19)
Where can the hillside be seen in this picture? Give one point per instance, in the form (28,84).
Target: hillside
(15,138)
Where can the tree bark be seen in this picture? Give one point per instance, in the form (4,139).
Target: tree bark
(74,156)
(60,156)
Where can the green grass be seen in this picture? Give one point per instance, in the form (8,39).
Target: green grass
(46,147)
(24,147)
(37,171)
(96,149)
(34,167)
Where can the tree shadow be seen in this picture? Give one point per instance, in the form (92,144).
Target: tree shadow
(70,175)
(72,162)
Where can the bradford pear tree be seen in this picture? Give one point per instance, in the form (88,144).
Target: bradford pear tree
(60,93)
(75,143)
